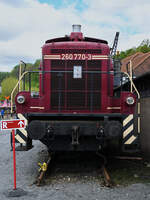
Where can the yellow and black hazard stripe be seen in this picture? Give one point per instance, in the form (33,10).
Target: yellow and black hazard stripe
(129,136)
(21,137)
(21,134)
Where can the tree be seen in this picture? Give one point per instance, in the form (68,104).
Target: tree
(15,70)
(144,47)
(3,75)
(7,86)
(145,42)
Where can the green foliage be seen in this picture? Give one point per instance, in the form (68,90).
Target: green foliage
(3,75)
(34,76)
(144,47)
(36,64)
(9,80)
(145,42)
(15,71)
(7,86)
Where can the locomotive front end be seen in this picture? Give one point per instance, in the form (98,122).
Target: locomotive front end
(76,109)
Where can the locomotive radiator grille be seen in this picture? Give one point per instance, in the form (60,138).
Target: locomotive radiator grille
(70,93)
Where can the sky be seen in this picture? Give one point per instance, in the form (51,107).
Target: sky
(26,24)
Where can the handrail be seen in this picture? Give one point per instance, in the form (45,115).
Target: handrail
(133,84)
(138,94)
(20,78)
(131,75)
(19,86)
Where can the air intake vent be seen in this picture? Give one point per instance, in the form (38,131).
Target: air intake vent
(70,93)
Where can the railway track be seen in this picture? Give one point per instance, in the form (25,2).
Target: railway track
(74,164)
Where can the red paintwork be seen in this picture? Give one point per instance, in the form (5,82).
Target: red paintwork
(14,157)
(43,101)
(12,124)
(76,36)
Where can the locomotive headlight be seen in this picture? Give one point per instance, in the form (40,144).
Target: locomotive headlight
(21,99)
(130,100)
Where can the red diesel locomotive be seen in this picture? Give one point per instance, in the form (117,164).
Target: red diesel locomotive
(77,108)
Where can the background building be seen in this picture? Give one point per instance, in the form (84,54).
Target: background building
(140,63)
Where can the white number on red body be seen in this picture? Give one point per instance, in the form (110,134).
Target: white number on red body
(76,56)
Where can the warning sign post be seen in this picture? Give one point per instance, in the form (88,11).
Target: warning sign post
(14,157)
(12,125)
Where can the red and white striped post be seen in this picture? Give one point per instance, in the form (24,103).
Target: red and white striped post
(14,157)
(12,125)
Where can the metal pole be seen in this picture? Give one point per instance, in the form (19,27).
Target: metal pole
(131,75)
(19,77)
(15,89)
(139,105)
(14,157)
(24,69)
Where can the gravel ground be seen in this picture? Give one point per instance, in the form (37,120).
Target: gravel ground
(27,171)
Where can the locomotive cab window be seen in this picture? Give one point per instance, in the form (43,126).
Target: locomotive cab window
(33,84)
